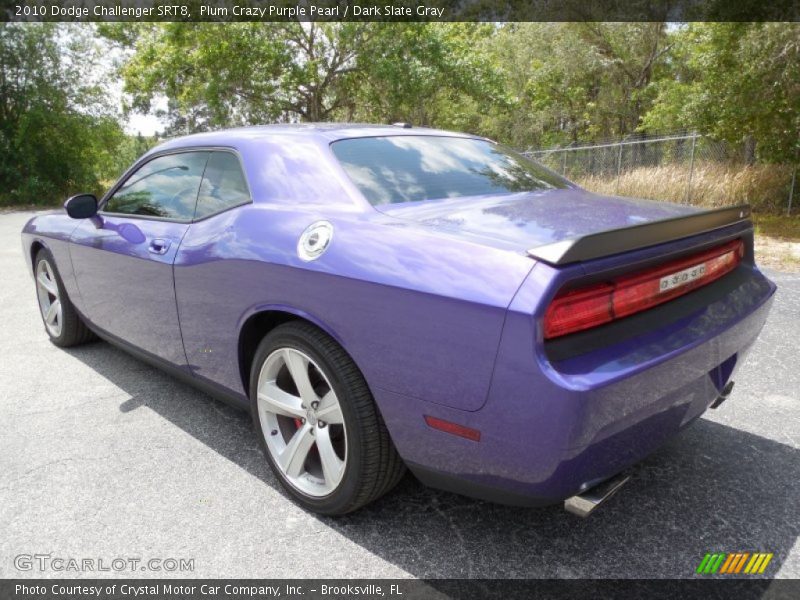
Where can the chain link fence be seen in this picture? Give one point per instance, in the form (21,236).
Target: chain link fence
(688,168)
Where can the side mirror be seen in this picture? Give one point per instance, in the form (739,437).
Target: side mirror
(81,206)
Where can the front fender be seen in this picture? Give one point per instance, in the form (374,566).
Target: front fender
(52,231)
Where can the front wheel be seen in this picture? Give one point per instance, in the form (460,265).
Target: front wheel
(61,321)
(317,422)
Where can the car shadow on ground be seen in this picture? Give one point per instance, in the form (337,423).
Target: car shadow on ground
(712,489)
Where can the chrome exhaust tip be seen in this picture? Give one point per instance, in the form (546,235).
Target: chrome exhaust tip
(585,503)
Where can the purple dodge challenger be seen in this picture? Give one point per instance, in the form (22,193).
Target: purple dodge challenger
(389,297)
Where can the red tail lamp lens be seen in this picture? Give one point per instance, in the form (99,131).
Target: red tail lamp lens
(584,308)
(453,428)
(579,309)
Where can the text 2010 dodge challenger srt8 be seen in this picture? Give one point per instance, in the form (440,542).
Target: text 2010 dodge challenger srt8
(387,297)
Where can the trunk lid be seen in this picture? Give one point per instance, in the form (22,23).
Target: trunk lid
(526,220)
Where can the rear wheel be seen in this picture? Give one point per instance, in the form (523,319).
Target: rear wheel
(318,423)
(61,320)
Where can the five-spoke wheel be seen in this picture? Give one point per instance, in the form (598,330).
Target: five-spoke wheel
(49,301)
(317,421)
(61,320)
(300,410)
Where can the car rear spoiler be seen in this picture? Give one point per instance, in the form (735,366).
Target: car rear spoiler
(624,239)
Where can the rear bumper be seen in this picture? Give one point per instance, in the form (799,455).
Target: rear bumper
(554,430)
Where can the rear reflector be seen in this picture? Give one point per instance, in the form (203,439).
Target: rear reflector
(454,428)
(583,308)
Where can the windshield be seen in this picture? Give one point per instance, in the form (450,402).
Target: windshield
(403,168)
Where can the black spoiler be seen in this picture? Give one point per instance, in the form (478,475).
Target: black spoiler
(624,239)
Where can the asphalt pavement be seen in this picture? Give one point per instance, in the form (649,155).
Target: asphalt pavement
(103,457)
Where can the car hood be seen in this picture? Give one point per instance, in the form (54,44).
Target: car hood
(526,220)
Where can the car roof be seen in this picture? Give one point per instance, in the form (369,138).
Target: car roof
(322,131)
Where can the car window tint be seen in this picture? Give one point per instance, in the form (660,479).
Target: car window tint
(393,169)
(164,187)
(223,185)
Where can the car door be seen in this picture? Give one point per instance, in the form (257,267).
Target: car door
(123,258)
(211,281)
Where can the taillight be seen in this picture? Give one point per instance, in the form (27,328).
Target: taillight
(583,308)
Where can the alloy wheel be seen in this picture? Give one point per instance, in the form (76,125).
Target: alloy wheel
(49,298)
(302,422)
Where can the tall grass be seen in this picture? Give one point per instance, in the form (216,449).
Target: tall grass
(764,187)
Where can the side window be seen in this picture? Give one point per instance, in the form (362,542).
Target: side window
(223,185)
(164,187)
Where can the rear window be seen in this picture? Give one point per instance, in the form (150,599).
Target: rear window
(395,169)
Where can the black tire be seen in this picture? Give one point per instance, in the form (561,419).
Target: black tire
(373,466)
(73,330)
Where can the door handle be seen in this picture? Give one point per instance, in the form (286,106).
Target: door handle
(158,246)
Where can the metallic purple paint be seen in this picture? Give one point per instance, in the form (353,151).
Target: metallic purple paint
(549,429)
(435,301)
(123,285)
(526,220)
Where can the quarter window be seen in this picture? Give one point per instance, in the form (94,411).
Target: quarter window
(223,185)
(166,187)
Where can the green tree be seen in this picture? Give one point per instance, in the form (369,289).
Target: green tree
(217,75)
(56,131)
(243,73)
(569,82)
(739,82)
(428,74)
